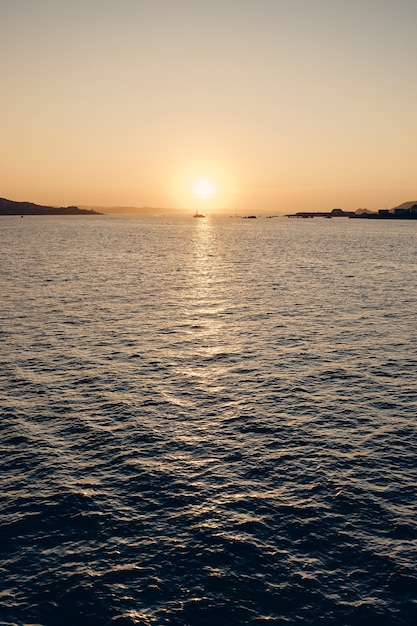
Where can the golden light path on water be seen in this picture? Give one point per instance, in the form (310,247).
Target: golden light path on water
(206,306)
(203,334)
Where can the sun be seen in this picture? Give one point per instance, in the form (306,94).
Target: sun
(203,185)
(204,188)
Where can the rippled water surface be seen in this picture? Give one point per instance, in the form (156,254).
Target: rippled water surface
(208,421)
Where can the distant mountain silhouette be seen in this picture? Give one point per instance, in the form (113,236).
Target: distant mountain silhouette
(134,210)
(10,207)
(406,205)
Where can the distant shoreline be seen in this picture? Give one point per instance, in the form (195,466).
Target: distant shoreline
(11,207)
(399,213)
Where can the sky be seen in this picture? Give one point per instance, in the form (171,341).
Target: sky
(239,105)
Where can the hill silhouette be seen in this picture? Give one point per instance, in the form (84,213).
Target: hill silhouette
(11,207)
(406,205)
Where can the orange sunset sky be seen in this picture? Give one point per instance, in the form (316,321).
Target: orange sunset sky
(274,105)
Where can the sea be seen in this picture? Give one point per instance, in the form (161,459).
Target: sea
(208,421)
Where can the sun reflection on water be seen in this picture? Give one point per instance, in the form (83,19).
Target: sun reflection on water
(206,305)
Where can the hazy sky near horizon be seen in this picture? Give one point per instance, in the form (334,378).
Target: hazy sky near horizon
(281,105)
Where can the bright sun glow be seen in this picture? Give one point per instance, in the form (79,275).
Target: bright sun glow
(203,184)
(204,189)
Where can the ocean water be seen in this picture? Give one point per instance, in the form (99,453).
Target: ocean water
(208,421)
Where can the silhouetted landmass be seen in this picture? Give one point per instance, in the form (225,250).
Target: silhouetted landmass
(333,213)
(406,211)
(10,207)
(406,205)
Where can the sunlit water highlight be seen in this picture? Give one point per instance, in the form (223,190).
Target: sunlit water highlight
(208,421)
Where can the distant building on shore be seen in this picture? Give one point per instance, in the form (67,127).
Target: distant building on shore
(407,211)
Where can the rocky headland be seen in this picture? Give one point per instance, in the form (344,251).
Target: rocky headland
(11,207)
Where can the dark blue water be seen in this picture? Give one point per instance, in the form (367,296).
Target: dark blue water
(208,421)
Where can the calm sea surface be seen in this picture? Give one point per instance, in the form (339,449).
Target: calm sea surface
(208,421)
